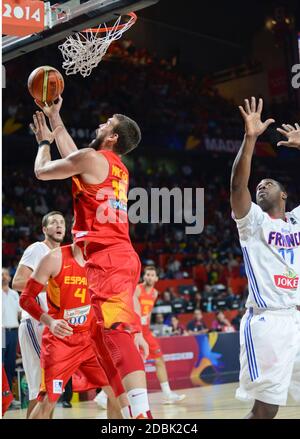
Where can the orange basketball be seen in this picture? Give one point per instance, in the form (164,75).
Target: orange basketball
(45,84)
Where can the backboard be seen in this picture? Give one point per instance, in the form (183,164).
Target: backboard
(66,18)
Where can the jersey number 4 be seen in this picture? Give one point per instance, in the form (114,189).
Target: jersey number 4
(80,293)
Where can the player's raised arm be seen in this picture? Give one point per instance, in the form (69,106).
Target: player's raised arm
(64,141)
(85,162)
(46,169)
(240,196)
(292,134)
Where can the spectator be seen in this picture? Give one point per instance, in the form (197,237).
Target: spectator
(178,305)
(177,328)
(198,300)
(159,328)
(197,326)
(11,313)
(221,323)
(237,320)
(189,305)
(200,272)
(165,299)
(173,267)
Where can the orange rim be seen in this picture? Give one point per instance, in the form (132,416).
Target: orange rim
(132,15)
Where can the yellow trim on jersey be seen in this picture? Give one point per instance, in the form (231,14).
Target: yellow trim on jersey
(53,291)
(43,382)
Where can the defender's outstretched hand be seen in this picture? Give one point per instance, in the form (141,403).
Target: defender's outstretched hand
(40,128)
(292,134)
(50,110)
(251,114)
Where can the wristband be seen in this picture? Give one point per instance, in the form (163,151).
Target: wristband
(44,142)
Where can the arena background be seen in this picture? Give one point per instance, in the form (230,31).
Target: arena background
(180,72)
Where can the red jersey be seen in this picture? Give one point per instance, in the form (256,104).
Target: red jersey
(67,293)
(100,210)
(147,301)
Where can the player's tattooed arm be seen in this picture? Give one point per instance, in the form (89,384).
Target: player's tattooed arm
(292,135)
(240,195)
(64,141)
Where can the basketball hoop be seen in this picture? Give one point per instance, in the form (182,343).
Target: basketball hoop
(83,51)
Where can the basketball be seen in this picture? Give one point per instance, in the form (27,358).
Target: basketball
(45,84)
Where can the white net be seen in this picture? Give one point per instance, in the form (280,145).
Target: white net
(83,51)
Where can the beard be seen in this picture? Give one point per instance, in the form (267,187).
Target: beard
(96,143)
(56,239)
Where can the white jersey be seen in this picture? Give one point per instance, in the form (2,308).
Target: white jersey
(31,258)
(271,250)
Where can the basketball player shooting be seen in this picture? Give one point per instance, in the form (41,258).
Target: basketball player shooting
(270,241)
(100,184)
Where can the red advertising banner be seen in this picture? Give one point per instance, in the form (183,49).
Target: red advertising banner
(22,17)
(197,360)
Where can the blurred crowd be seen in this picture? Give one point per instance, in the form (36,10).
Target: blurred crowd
(172,326)
(212,258)
(174,105)
(177,107)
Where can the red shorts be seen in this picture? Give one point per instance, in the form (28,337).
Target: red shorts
(7,396)
(112,278)
(154,347)
(61,358)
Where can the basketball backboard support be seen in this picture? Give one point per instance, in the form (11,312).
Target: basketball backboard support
(68,18)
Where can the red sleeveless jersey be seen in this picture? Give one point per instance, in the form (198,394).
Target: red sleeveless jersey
(147,301)
(67,293)
(100,210)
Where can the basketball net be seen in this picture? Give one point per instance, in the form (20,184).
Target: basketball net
(83,51)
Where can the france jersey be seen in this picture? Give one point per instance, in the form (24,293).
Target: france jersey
(271,250)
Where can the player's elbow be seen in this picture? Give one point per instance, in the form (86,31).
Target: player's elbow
(40,174)
(18,284)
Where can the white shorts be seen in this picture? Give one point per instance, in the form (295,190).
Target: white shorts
(30,338)
(270,356)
